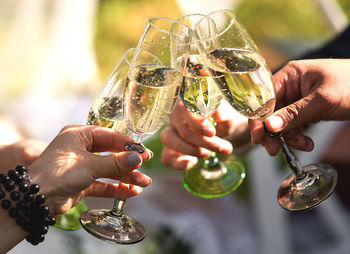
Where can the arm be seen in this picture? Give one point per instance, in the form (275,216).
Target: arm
(66,172)
(22,152)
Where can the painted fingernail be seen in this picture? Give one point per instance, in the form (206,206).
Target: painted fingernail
(134,159)
(276,122)
(151,154)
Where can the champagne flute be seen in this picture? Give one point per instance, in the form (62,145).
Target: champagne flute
(246,82)
(209,178)
(154,79)
(107,111)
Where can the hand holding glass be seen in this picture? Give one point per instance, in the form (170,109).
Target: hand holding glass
(247,84)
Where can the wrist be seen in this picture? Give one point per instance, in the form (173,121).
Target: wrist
(24,205)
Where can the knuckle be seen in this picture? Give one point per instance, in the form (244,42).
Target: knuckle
(166,136)
(184,134)
(292,113)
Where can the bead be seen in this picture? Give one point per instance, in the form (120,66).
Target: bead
(4,178)
(52,221)
(40,199)
(12,173)
(20,221)
(46,221)
(34,188)
(15,195)
(34,206)
(18,179)
(21,170)
(13,212)
(9,185)
(34,242)
(26,226)
(21,205)
(6,204)
(23,187)
(29,238)
(40,238)
(29,197)
(43,210)
(44,230)
(2,194)
(28,213)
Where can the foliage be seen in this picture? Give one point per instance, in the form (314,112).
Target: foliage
(119,25)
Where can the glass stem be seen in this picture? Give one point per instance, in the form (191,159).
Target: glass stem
(211,162)
(118,206)
(292,160)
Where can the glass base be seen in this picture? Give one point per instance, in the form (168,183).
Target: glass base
(113,228)
(318,185)
(213,183)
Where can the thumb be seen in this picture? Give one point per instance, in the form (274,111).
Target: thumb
(114,165)
(305,110)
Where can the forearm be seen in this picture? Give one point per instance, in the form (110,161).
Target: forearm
(10,233)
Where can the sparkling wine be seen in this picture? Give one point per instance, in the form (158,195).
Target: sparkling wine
(244,80)
(150,95)
(199,91)
(108,112)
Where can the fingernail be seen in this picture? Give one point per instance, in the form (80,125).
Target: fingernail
(151,154)
(208,128)
(204,153)
(137,188)
(276,122)
(134,159)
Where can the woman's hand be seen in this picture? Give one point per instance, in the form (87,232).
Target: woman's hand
(189,136)
(67,170)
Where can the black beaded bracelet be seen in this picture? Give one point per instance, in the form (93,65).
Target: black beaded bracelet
(30,212)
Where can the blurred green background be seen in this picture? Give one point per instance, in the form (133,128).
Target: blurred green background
(270,23)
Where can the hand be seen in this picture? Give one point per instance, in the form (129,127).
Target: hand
(189,136)
(67,170)
(22,152)
(307,91)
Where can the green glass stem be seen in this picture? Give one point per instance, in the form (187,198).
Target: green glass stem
(212,162)
(213,178)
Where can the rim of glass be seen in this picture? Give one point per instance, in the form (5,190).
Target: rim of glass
(232,21)
(149,21)
(126,58)
(191,15)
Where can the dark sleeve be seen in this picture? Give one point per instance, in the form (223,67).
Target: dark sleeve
(338,47)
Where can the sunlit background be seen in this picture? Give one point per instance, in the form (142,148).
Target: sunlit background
(54,56)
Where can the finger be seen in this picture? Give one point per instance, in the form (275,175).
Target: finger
(228,120)
(114,164)
(257,131)
(271,145)
(134,177)
(195,142)
(177,160)
(125,191)
(111,190)
(171,139)
(182,120)
(298,140)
